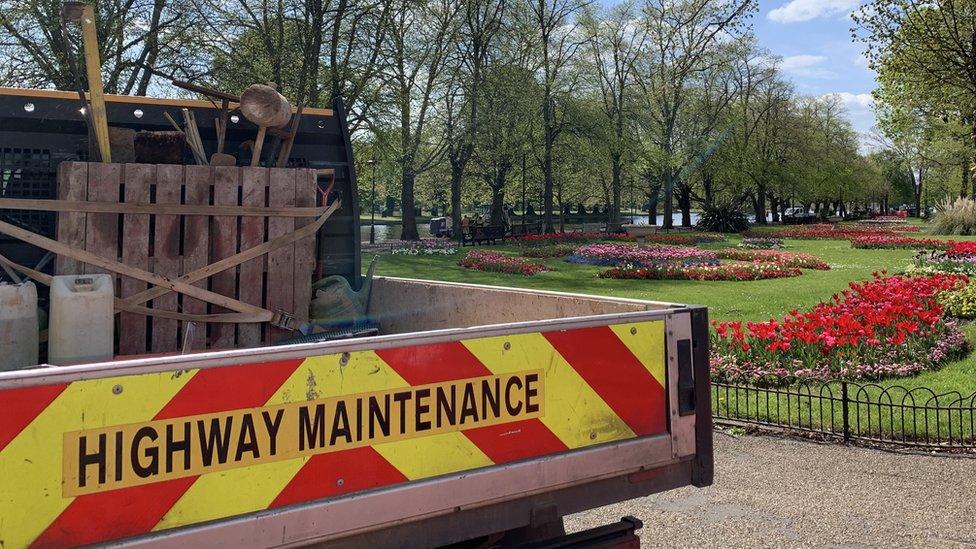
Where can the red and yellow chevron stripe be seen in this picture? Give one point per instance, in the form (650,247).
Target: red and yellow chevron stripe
(595,385)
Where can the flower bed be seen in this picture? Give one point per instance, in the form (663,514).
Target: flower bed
(538,240)
(960,302)
(896,242)
(548,252)
(886,220)
(613,253)
(961,248)
(424,247)
(826,231)
(497,262)
(730,271)
(941,262)
(761,242)
(677,239)
(779,257)
(886,326)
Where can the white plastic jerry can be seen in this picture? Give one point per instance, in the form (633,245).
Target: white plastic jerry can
(18,326)
(82,324)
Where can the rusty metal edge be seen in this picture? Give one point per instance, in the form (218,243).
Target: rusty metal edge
(364,512)
(63,374)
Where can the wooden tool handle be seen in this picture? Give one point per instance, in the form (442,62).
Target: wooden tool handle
(258,143)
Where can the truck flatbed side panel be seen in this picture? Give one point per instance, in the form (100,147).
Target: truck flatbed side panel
(102,458)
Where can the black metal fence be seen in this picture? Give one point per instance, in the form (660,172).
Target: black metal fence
(916,417)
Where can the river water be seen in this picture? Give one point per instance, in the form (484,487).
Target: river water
(392,232)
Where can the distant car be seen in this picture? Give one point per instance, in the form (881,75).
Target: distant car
(797,215)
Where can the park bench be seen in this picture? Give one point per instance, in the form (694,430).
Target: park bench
(527,229)
(490,234)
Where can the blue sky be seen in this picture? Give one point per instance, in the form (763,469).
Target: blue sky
(814,39)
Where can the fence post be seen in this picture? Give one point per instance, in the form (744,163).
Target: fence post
(847,417)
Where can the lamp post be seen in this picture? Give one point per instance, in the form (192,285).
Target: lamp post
(372,203)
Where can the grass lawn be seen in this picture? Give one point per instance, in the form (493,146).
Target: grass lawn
(749,300)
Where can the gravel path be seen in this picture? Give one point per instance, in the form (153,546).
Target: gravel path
(772,492)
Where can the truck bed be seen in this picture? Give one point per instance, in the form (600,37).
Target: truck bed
(477,410)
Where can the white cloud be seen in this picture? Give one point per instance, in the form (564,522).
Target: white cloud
(806,66)
(805,10)
(855,101)
(795,62)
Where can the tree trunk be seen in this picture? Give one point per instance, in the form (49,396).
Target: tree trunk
(409,216)
(549,123)
(652,202)
(615,188)
(457,172)
(684,203)
(708,187)
(774,207)
(498,196)
(759,205)
(668,221)
(972,162)
(966,180)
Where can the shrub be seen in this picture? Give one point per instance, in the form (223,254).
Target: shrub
(723,219)
(500,263)
(955,217)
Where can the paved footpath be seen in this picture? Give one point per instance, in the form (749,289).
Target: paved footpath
(772,492)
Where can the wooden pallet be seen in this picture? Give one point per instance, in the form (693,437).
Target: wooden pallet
(173,245)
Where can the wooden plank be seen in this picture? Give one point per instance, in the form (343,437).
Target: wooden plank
(135,252)
(196,245)
(224,244)
(72,185)
(102,229)
(45,205)
(166,255)
(251,285)
(306,195)
(237,259)
(140,100)
(171,284)
(281,262)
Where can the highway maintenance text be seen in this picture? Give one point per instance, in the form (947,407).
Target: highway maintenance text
(107,458)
